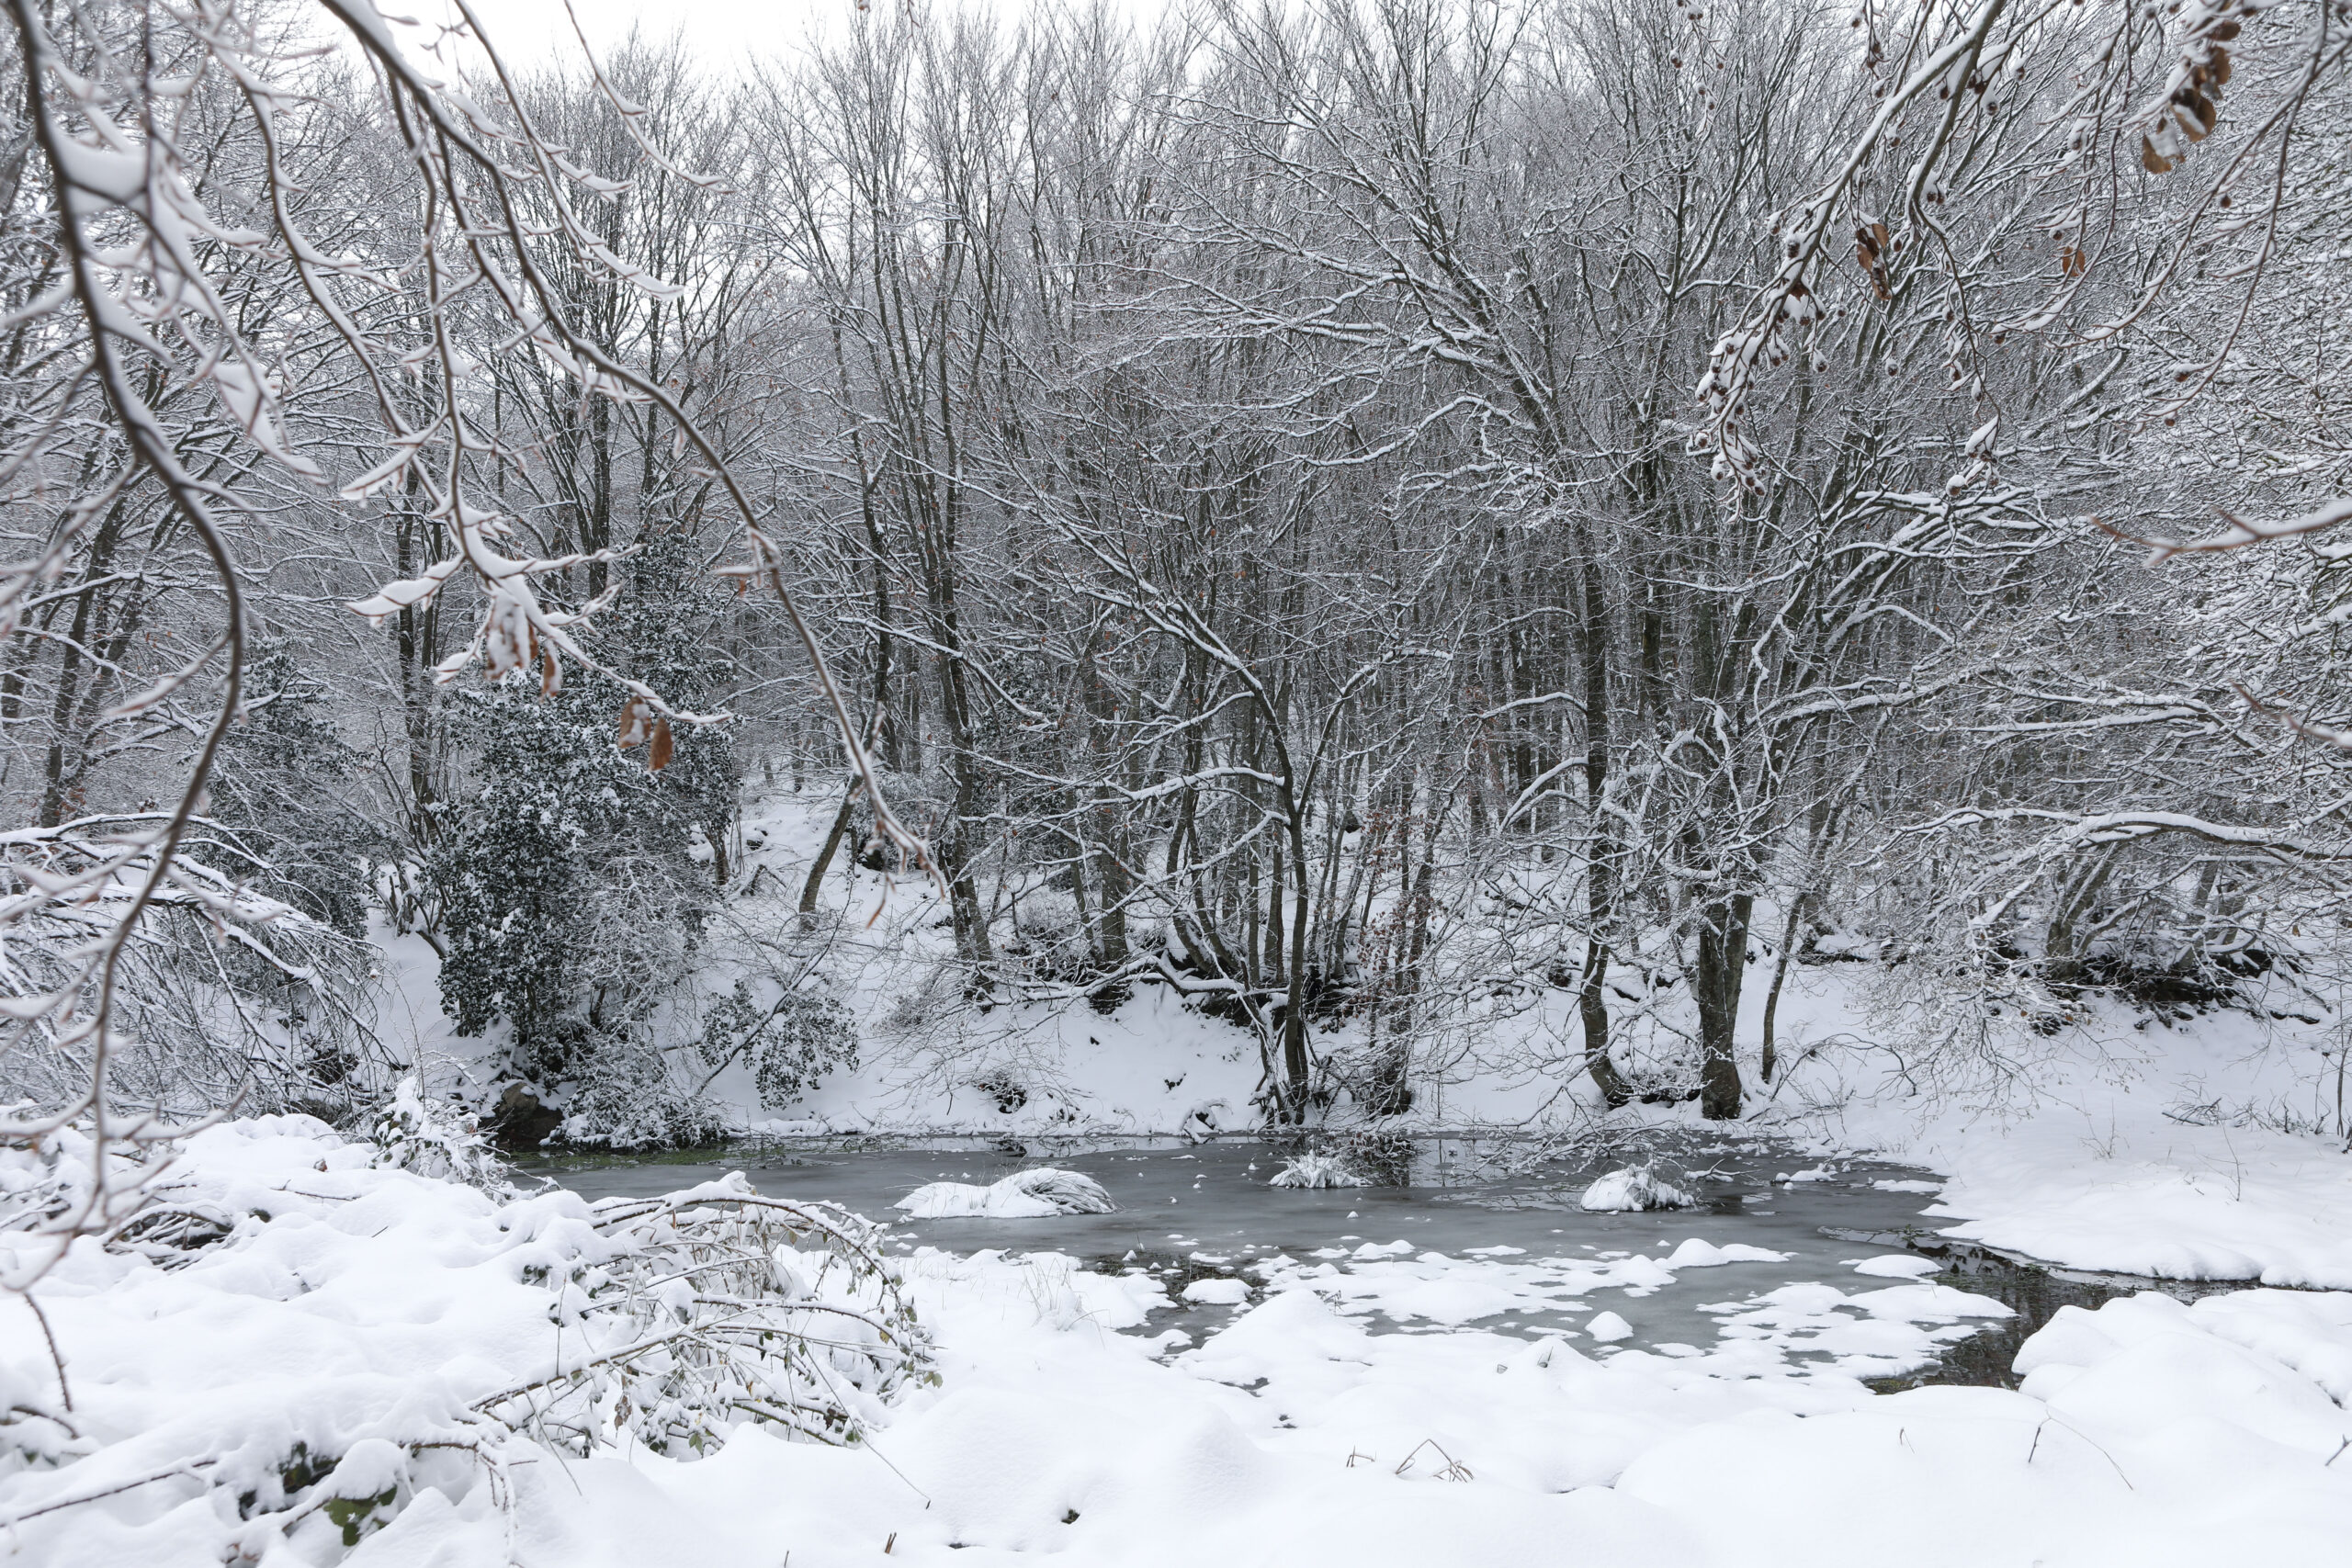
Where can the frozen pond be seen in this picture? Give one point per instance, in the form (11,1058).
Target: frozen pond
(1467,1233)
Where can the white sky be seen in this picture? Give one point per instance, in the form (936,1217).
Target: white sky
(726,31)
(535,29)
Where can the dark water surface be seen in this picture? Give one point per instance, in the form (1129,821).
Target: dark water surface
(1186,1212)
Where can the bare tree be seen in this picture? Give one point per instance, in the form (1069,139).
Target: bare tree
(172,146)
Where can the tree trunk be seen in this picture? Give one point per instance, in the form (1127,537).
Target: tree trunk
(1293,1049)
(810,889)
(1723,960)
(1772,997)
(1601,873)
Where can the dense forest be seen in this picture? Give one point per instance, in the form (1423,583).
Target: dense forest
(1339,784)
(1340,513)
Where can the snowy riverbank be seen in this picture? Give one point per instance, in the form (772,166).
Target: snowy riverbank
(2183,1145)
(319,1373)
(1292,1425)
(2114,1154)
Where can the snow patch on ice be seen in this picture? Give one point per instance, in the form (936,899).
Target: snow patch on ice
(1696,1254)
(1217,1292)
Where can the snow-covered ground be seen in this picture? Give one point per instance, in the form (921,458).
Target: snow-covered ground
(2124,1142)
(313,1379)
(316,1376)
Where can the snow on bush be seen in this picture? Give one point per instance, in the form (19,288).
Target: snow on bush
(1633,1188)
(1024,1195)
(437,1140)
(1316,1170)
(635,1099)
(791,1045)
(295,1339)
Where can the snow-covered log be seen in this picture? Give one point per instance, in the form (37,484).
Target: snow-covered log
(1024,1195)
(1632,1189)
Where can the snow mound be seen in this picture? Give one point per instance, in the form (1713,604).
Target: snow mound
(1634,1187)
(1696,1254)
(1609,1328)
(1024,1195)
(313,1348)
(1217,1292)
(1316,1170)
